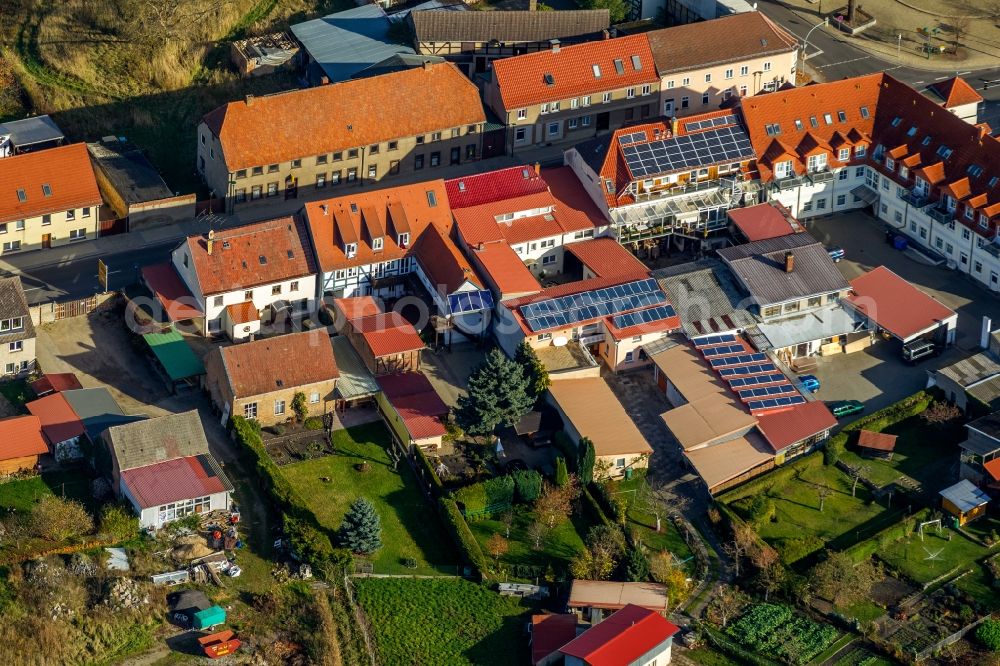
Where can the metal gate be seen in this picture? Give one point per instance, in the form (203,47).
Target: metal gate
(76,308)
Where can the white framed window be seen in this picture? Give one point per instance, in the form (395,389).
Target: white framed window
(647,89)
(686,81)
(549,259)
(743,91)
(522,114)
(816,162)
(585,101)
(783,169)
(670,84)
(573,123)
(704,98)
(11,246)
(573,103)
(314,397)
(377,243)
(585,121)
(607,98)
(544,108)
(860,150)
(629,93)
(620,462)
(250,410)
(279,407)
(844,154)
(729,73)
(403,240)
(767,66)
(744,70)
(16,346)
(350,249)
(708,78)
(70,216)
(77,234)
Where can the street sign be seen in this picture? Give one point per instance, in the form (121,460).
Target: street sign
(102,273)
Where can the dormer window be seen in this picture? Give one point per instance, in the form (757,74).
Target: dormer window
(350,249)
(921,186)
(984,221)
(404,240)
(890,163)
(783,169)
(903,171)
(817,162)
(860,150)
(950,203)
(377,243)
(970,214)
(844,154)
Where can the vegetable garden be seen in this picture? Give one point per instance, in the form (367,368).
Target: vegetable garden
(777,630)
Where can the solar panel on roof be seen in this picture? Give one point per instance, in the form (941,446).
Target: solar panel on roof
(634,137)
(470,301)
(643,316)
(742,359)
(569,310)
(754,380)
(724,144)
(720,351)
(755,369)
(772,403)
(706,340)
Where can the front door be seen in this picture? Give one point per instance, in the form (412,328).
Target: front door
(291,187)
(603,121)
(46,241)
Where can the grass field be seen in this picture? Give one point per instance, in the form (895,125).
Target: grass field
(561,544)
(800,528)
(410,527)
(21,495)
(919,453)
(442,621)
(912,557)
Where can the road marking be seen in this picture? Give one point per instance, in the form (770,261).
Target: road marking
(843,62)
(941,78)
(964,73)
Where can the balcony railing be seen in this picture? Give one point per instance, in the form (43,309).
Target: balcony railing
(676,190)
(916,199)
(942,215)
(824,176)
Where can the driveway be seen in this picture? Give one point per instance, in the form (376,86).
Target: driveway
(449,372)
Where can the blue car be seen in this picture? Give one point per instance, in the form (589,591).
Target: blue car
(810,383)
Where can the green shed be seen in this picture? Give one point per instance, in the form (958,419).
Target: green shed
(174,355)
(209,617)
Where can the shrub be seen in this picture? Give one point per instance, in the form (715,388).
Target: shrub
(568,448)
(481,499)
(586,461)
(300,406)
(119,523)
(462,535)
(988,633)
(313,423)
(428,471)
(361,531)
(761,509)
(591,506)
(57,519)
(527,485)
(562,474)
(793,550)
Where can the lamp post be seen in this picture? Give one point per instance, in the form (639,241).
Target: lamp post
(805,42)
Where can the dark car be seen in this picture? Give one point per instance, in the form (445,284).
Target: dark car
(842,408)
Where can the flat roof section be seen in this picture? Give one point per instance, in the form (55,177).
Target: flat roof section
(724,462)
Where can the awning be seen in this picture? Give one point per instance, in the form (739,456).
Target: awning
(355,381)
(825,322)
(178,302)
(865,194)
(174,354)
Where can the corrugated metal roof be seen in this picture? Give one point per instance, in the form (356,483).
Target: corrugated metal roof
(507,26)
(705,295)
(970,370)
(155,440)
(965,496)
(174,354)
(28,131)
(355,381)
(175,480)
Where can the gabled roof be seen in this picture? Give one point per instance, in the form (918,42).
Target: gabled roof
(97,409)
(402,209)
(610,428)
(174,480)
(314,121)
(507,26)
(155,440)
(727,39)
(763,221)
(282,362)
(954,92)
(417,403)
(13,304)
(441,260)
(58,421)
(481,188)
(621,638)
(506,269)
(606,257)
(965,496)
(54,383)
(616,595)
(549,632)
(895,304)
(47,181)
(782,428)
(252,255)
(31,131)
(21,436)
(387,334)
(522,80)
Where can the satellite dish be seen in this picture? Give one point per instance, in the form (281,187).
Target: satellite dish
(559,341)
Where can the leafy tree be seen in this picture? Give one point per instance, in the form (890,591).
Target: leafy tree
(843,582)
(637,566)
(498,396)
(585,463)
(119,523)
(727,603)
(605,547)
(527,485)
(534,370)
(988,633)
(555,503)
(618,9)
(497,546)
(57,519)
(664,569)
(562,474)
(361,531)
(300,406)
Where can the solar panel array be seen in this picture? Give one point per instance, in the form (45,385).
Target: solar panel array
(470,301)
(720,351)
(727,144)
(746,370)
(648,316)
(706,340)
(771,403)
(570,310)
(754,380)
(699,125)
(634,137)
(765,392)
(742,359)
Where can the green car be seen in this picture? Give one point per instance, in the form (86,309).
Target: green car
(843,408)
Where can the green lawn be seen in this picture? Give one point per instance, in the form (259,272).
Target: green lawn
(22,494)
(561,544)
(863,611)
(911,556)
(410,526)
(644,524)
(799,528)
(709,657)
(443,622)
(17,393)
(919,454)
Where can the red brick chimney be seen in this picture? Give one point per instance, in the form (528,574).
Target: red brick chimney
(789,261)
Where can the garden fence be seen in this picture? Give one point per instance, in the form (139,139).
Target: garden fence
(944,642)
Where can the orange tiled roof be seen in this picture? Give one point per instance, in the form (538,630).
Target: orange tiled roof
(505,268)
(955,92)
(402,209)
(21,436)
(388,333)
(303,123)
(67,172)
(442,262)
(355,307)
(242,313)
(252,255)
(478,224)
(606,257)
(282,362)
(521,79)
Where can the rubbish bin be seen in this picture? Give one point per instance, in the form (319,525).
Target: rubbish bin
(628,473)
(900,242)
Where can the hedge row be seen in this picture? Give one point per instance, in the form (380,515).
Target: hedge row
(776,477)
(592,506)
(870,546)
(878,421)
(429,471)
(479,499)
(307,539)
(463,537)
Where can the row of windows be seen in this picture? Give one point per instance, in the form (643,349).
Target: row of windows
(376,270)
(46,220)
(176,510)
(585,101)
(15,367)
(15,245)
(729,74)
(280,406)
(248,294)
(12,324)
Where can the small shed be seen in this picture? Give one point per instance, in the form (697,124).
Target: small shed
(964,501)
(174,356)
(876,444)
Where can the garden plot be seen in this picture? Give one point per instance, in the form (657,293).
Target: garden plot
(937,553)
(776,630)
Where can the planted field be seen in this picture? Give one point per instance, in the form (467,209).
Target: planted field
(442,621)
(778,631)
(410,527)
(919,451)
(936,554)
(797,527)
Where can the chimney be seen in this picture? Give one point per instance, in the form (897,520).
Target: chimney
(554,43)
(211,242)
(538,168)
(427,64)
(324,80)
(326,210)
(605,34)
(249,100)
(789,261)
(675,125)
(984,335)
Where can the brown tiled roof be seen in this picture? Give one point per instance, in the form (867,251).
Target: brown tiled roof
(402,209)
(387,334)
(242,313)
(252,255)
(58,420)
(506,26)
(442,262)
(606,257)
(282,362)
(511,277)
(727,39)
(303,123)
(879,441)
(417,403)
(521,79)
(67,172)
(356,306)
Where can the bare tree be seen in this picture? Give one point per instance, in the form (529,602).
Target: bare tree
(940,414)
(537,532)
(727,603)
(822,492)
(743,543)
(856,474)
(770,573)
(959,31)
(660,502)
(507,518)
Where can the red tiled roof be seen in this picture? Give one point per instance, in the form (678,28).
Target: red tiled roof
(356,306)
(549,632)
(442,262)
(395,210)
(895,304)
(242,313)
(505,268)
(252,255)
(782,428)
(993,468)
(59,421)
(177,300)
(417,403)
(606,257)
(480,188)
(66,170)
(761,222)
(55,383)
(521,79)
(313,121)
(388,333)
(880,441)
(282,362)
(174,480)
(621,638)
(955,92)
(577,211)
(21,436)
